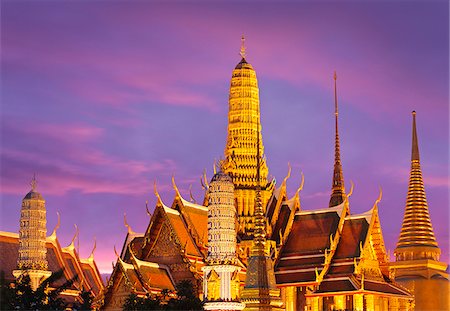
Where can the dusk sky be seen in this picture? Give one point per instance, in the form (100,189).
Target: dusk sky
(101,98)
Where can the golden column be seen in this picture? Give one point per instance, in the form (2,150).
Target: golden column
(241,147)
(32,236)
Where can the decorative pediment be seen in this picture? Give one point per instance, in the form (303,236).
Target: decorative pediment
(165,243)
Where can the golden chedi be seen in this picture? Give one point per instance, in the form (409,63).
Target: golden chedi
(417,253)
(32,238)
(241,146)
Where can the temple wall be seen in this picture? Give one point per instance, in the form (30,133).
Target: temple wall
(430,294)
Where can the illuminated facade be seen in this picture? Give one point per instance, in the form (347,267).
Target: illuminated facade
(287,257)
(417,264)
(221,283)
(33,252)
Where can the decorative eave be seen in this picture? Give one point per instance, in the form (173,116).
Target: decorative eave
(279,194)
(53,237)
(71,247)
(294,206)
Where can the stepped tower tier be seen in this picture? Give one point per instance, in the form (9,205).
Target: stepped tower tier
(244,126)
(221,283)
(32,238)
(417,240)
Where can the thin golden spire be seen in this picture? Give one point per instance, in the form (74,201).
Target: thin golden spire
(260,222)
(242,52)
(260,291)
(337,186)
(33,183)
(417,240)
(415,143)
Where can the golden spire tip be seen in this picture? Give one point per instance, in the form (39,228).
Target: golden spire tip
(242,53)
(33,182)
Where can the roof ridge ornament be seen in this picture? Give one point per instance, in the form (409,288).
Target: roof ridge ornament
(302,183)
(58,224)
(352,186)
(380,195)
(155,190)
(288,175)
(130,231)
(146,209)
(72,243)
(243,50)
(191,196)
(91,256)
(174,185)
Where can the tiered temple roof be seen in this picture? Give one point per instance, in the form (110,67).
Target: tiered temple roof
(335,252)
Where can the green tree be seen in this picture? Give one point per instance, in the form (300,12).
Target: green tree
(186,300)
(19,295)
(86,301)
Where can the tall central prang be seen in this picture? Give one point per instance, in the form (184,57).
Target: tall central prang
(244,126)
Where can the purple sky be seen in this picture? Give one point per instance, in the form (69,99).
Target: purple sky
(101,98)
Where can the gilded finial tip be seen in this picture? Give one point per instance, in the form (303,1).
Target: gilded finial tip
(335,75)
(33,182)
(242,52)
(413,112)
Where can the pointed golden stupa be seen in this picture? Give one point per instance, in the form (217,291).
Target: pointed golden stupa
(244,126)
(417,240)
(417,264)
(337,186)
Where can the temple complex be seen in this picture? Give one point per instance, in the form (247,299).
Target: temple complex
(417,264)
(34,253)
(333,260)
(285,257)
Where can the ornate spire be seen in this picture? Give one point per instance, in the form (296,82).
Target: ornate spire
(260,291)
(241,150)
(415,143)
(337,186)
(417,240)
(32,238)
(33,183)
(242,52)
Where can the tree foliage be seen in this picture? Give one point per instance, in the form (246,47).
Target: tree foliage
(186,299)
(19,295)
